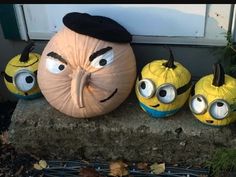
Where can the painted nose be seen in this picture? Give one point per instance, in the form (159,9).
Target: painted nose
(80,80)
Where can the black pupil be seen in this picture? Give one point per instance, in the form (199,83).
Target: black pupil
(219,104)
(29,79)
(103,62)
(61,67)
(162,93)
(143,85)
(199,99)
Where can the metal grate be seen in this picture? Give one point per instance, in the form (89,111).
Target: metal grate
(72,168)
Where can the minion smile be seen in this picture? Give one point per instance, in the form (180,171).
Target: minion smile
(209,121)
(155,106)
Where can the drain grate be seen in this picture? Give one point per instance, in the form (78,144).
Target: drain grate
(72,168)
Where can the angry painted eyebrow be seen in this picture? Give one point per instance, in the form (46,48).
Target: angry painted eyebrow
(57,56)
(98,53)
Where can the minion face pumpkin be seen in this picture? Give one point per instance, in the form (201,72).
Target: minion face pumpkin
(163,87)
(20,74)
(213,99)
(88,68)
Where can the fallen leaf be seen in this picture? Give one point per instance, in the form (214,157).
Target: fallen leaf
(88,172)
(4,138)
(142,166)
(158,168)
(37,166)
(43,163)
(118,168)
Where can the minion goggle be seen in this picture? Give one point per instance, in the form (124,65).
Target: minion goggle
(166,93)
(218,109)
(24,80)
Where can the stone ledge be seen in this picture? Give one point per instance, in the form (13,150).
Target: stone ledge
(126,133)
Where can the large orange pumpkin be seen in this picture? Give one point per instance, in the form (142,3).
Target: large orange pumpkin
(88,68)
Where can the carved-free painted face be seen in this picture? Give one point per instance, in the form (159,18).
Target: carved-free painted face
(20,74)
(83,76)
(160,91)
(214,98)
(163,87)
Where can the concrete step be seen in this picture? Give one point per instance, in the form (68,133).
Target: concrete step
(127,133)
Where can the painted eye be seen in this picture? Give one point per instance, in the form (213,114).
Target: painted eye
(55,66)
(24,80)
(146,88)
(103,60)
(219,109)
(198,104)
(166,93)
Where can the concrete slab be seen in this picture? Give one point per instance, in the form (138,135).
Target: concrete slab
(126,133)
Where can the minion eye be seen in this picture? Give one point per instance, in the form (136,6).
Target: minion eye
(219,109)
(198,104)
(101,60)
(146,88)
(55,66)
(24,80)
(166,93)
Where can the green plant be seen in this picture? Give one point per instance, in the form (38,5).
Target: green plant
(228,57)
(223,162)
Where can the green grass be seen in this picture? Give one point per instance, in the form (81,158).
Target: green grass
(223,162)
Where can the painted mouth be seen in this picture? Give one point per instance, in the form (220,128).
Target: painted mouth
(108,98)
(209,121)
(155,106)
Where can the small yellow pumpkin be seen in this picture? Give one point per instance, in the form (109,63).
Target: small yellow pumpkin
(163,87)
(20,74)
(213,99)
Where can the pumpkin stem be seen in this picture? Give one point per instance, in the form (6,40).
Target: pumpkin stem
(25,54)
(219,75)
(170,62)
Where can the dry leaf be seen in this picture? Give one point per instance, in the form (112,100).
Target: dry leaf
(4,138)
(118,168)
(43,163)
(88,172)
(37,166)
(142,166)
(158,168)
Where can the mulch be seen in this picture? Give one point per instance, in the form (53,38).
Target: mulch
(13,164)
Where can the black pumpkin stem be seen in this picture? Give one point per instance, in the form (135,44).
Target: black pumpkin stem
(25,54)
(219,75)
(170,62)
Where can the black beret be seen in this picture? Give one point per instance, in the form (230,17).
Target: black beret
(98,27)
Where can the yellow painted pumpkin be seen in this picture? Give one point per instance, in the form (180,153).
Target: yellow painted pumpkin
(163,87)
(20,74)
(213,100)
(88,68)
